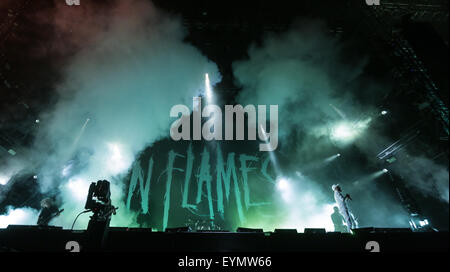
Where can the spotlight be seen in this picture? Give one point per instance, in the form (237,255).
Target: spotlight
(4,179)
(423,223)
(282,184)
(346,132)
(77,188)
(37,121)
(119,158)
(384,112)
(332,158)
(285,189)
(208,91)
(343,131)
(375,175)
(34,177)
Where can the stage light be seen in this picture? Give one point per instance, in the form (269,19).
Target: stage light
(4,179)
(75,142)
(273,159)
(285,189)
(343,131)
(371,177)
(37,121)
(35,177)
(208,89)
(423,223)
(119,157)
(282,184)
(115,151)
(346,132)
(329,159)
(384,112)
(78,188)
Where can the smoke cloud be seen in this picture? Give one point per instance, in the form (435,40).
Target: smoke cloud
(128,66)
(20,216)
(325,104)
(426,176)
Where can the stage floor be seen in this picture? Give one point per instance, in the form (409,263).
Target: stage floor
(54,239)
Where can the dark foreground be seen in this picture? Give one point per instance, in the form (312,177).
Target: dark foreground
(55,239)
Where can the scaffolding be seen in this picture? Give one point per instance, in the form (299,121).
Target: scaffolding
(410,74)
(419,10)
(408,68)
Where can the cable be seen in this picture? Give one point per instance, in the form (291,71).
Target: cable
(77,217)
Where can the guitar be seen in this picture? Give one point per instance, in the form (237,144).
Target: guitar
(43,221)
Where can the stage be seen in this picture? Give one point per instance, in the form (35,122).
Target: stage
(54,239)
(224,127)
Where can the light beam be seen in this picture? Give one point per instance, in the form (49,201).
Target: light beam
(208,90)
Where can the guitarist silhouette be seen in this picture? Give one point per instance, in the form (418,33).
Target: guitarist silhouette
(48,212)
